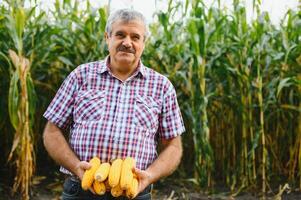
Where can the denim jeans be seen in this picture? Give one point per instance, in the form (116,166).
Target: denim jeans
(72,191)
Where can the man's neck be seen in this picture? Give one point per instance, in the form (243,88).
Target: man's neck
(122,72)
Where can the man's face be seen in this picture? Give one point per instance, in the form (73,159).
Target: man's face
(126,42)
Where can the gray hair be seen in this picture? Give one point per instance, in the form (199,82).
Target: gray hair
(126,15)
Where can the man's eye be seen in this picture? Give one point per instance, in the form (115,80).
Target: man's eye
(119,34)
(136,38)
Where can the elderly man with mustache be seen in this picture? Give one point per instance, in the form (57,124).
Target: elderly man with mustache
(115,108)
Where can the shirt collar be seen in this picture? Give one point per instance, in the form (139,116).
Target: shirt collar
(105,66)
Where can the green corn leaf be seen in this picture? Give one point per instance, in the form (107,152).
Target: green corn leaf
(286,82)
(65,60)
(32,98)
(103,19)
(13,100)
(20,21)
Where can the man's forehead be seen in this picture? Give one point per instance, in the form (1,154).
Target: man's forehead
(119,25)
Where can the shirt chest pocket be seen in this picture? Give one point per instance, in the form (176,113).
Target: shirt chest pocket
(89,106)
(146,112)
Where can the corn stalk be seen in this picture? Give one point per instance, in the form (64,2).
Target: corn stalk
(204,28)
(21,106)
(296,157)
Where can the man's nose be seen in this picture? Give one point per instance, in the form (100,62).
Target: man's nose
(127,42)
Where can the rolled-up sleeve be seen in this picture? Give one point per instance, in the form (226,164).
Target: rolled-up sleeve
(60,110)
(170,121)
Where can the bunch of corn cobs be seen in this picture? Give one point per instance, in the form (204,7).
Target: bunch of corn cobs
(117,177)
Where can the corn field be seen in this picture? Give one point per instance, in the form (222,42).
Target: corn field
(238,86)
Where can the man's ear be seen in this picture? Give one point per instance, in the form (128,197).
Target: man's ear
(106,37)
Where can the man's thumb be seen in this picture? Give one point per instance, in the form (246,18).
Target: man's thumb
(85,165)
(137,171)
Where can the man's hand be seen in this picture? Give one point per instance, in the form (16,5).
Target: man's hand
(80,168)
(144,179)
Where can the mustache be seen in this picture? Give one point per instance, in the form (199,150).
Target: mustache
(126,49)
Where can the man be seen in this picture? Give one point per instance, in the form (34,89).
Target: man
(115,108)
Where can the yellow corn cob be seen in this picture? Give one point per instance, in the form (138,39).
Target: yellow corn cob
(102,172)
(116,191)
(115,171)
(126,177)
(132,191)
(88,176)
(99,187)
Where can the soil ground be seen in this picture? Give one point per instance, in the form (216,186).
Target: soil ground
(168,189)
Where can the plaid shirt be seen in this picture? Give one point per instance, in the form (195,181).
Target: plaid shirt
(111,119)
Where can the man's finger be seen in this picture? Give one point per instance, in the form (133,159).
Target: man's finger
(81,168)
(137,171)
(85,165)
